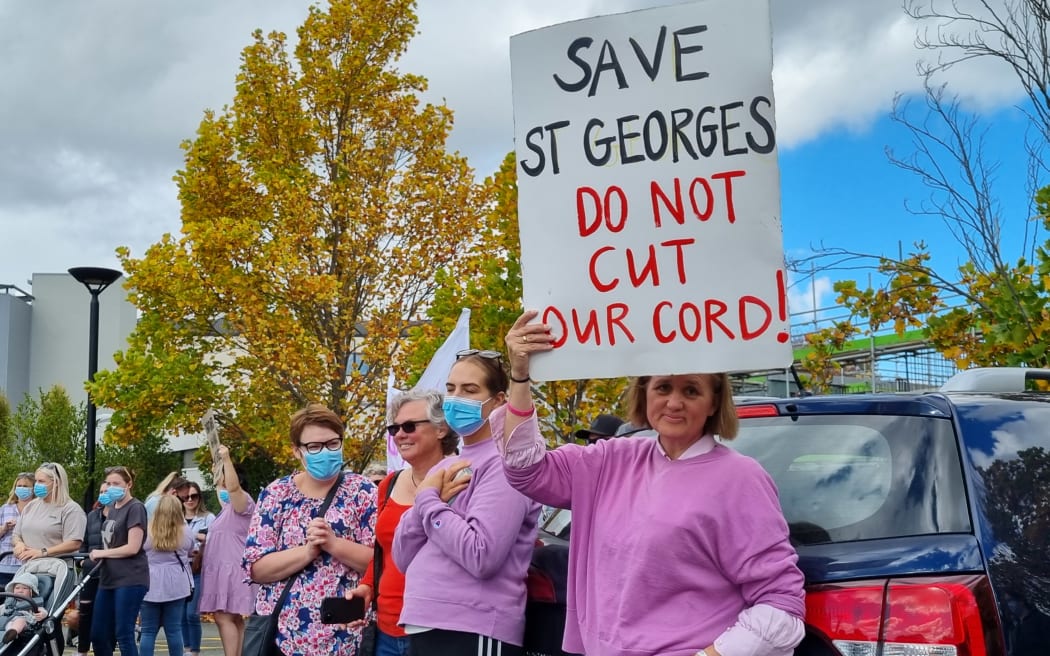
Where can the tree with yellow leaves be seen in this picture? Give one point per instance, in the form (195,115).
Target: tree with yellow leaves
(488,280)
(315,210)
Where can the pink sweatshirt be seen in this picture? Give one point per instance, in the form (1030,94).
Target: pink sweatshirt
(666,556)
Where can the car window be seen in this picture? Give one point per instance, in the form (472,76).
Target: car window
(854,477)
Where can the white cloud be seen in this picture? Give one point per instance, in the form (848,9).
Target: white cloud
(98,96)
(806,294)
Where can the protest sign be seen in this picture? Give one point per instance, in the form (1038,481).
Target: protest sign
(211,432)
(649,193)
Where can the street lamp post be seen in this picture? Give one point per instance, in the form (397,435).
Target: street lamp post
(96,280)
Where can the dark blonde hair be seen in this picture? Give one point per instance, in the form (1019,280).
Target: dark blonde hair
(168,524)
(22,476)
(315,414)
(723,422)
(493,375)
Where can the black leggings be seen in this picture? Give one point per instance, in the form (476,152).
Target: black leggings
(438,642)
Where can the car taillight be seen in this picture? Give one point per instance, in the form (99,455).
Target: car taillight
(764,410)
(539,587)
(946,616)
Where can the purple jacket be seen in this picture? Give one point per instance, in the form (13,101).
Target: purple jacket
(465,565)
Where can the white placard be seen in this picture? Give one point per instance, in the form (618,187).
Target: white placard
(649,193)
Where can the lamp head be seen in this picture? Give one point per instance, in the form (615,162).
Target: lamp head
(95,279)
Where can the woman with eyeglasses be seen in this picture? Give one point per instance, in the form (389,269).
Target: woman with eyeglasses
(122,565)
(51,524)
(331,552)
(21,493)
(199,519)
(465,560)
(422,437)
(223,591)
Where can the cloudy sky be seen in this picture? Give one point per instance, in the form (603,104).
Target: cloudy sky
(98,95)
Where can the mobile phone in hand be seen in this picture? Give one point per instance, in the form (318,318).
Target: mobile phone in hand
(337,610)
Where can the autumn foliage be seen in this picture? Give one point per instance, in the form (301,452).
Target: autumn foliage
(316,209)
(976,318)
(488,281)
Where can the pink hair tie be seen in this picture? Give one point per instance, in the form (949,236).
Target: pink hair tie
(520,413)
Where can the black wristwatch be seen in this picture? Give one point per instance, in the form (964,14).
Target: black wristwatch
(43,552)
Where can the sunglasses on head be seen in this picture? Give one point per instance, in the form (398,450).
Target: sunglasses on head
(488,355)
(407,426)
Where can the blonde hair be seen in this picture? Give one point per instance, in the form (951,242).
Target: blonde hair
(59,482)
(23,476)
(168,524)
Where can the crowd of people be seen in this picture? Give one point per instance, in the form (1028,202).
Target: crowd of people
(687,552)
(143,561)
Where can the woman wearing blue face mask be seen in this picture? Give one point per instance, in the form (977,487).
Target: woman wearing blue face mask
(326,554)
(465,560)
(21,493)
(223,591)
(51,524)
(122,565)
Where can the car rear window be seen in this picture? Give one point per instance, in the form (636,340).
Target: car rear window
(858,477)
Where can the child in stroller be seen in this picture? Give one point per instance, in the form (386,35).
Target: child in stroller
(57,586)
(17,613)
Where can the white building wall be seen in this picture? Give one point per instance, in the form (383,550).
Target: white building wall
(15,317)
(60,329)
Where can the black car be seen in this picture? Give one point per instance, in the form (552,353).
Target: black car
(922,521)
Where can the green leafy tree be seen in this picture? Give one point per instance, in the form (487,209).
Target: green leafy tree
(149,460)
(488,280)
(315,212)
(51,428)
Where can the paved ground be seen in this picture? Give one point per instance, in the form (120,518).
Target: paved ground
(210,643)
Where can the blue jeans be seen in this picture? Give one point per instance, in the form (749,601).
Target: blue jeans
(115,612)
(388,645)
(154,616)
(191,622)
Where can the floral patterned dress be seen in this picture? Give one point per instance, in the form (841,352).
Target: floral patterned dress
(280,520)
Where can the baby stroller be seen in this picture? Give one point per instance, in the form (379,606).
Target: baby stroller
(59,585)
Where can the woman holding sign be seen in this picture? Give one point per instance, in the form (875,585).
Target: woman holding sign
(688,552)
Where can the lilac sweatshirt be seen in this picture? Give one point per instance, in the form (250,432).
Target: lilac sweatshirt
(465,565)
(666,556)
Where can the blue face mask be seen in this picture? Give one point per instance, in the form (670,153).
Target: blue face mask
(323,465)
(23,492)
(40,490)
(115,493)
(105,499)
(224,496)
(464,415)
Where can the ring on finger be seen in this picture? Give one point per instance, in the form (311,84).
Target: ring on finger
(524,339)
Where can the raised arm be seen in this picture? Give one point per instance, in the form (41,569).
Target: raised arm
(522,341)
(238,497)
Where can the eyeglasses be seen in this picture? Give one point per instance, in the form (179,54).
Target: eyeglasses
(334,444)
(190,497)
(488,355)
(53,467)
(408,426)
